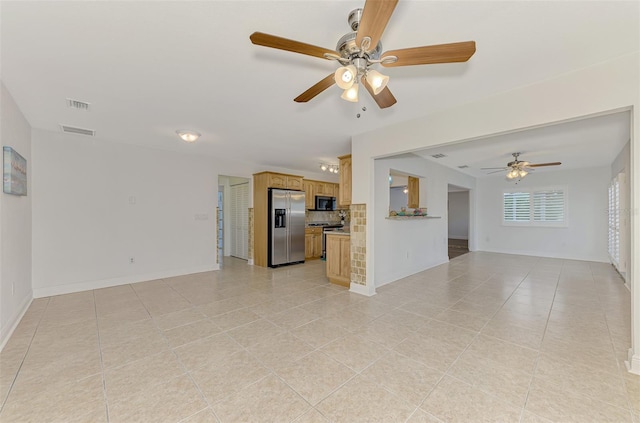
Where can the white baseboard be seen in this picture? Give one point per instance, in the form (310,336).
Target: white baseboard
(356,288)
(14,321)
(124,280)
(545,254)
(633,363)
(390,278)
(250,262)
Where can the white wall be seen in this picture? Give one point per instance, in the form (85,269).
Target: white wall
(584,238)
(405,247)
(97,204)
(458,215)
(85,230)
(15,223)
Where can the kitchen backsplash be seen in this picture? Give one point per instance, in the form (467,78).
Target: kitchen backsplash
(325,216)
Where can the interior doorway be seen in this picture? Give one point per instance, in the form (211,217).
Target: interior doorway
(235,216)
(458,217)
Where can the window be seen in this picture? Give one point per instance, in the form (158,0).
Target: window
(535,207)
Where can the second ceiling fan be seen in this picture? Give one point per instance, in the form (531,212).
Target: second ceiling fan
(358,51)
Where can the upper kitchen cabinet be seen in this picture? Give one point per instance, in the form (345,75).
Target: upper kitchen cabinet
(313,188)
(413,195)
(281,180)
(310,194)
(344,195)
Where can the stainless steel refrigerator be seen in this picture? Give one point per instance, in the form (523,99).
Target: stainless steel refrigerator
(286,227)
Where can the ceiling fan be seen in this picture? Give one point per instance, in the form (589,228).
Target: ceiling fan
(518,168)
(358,51)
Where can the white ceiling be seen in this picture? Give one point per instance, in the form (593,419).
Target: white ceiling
(589,142)
(149,68)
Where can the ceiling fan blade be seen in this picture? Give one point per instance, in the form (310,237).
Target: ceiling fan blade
(316,89)
(490,168)
(375,16)
(544,164)
(262,39)
(384,98)
(496,171)
(441,53)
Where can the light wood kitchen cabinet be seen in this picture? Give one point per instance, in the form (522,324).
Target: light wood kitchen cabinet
(294,182)
(313,243)
(329,189)
(313,188)
(309,194)
(281,180)
(261,183)
(413,196)
(344,195)
(338,259)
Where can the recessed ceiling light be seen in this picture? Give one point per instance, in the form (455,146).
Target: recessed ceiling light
(188,136)
(438,156)
(463,167)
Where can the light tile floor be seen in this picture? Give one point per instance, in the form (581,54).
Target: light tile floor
(486,337)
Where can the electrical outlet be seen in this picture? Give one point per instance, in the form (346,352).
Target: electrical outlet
(132,260)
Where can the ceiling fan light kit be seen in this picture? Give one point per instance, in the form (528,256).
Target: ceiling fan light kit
(519,168)
(359,50)
(351,94)
(377,81)
(345,76)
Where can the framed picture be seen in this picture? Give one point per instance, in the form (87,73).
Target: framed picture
(14,174)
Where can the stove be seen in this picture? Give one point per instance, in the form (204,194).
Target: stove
(324,225)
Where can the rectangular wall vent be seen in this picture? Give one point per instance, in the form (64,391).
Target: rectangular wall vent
(80,131)
(463,167)
(438,156)
(77,104)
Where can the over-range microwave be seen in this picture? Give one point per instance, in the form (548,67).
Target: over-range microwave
(325,203)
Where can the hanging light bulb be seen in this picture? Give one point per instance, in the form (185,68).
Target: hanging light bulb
(323,167)
(345,76)
(351,94)
(522,173)
(377,81)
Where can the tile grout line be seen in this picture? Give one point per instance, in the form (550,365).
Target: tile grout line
(535,366)
(102,370)
(15,377)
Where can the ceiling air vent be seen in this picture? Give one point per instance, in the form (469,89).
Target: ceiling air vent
(463,167)
(438,156)
(79,131)
(77,104)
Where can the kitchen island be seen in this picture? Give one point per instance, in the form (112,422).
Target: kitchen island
(339,257)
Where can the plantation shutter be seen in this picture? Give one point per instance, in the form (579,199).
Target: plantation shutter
(548,206)
(516,207)
(614,222)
